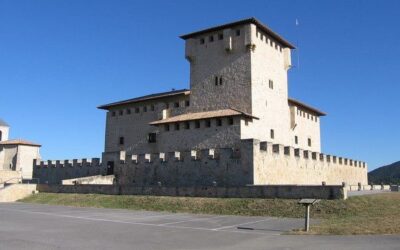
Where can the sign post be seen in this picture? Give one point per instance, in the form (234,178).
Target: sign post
(307,203)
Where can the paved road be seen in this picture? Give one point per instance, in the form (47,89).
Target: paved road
(31,226)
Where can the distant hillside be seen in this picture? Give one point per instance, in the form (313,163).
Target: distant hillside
(389,174)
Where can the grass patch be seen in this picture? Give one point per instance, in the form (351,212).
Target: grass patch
(370,214)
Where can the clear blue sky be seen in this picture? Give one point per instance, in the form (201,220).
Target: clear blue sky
(60,59)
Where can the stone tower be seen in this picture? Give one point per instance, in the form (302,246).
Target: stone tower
(242,65)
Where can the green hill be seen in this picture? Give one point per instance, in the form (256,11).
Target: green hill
(389,174)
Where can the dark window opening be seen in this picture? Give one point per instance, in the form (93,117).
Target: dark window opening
(167,105)
(152,137)
(176,104)
(271,84)
(211,39)
(137,110)
(272,134)
(201,40)
(152,108)
(166,127)
(230,121)
(145,109)
(113,113)
(197,124)
(220,80)
(309,142)
(187,125)
(216,80)
(237,32)
(121,140)
(296,140)
(219,122)
(220,36)
(128,111)
(187,103)
(208,123)
(177,127)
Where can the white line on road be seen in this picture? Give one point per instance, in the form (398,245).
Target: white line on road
(197,219)
(241,224)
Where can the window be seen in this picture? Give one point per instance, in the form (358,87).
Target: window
(121,112)
(230,121)
(216,80)
(309,142)
(296,140)
(211,38)
(272,134)
(137,110)
(1,135)
(176,104)
(152,107)
(166,127)
(208,123)
(197,124)
(121,140)
(271,84)
(128,111)
(187,125)
(201,40)
(237,32)
(152,137)
(220,36)
(187,103)
(145,109)
(113,113)
(219,122)
(220,80)
(177,127)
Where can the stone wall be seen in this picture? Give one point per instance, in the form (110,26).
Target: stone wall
(252,163)
(53,172)
(284,192)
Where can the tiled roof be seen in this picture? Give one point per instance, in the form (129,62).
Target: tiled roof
(146,98)
(305,106)
(252,20)
(3,123)
(202,115)
(19,142)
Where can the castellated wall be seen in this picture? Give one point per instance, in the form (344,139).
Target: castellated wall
(53,172)
(253,163)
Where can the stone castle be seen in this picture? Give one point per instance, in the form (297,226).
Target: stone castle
(236,125)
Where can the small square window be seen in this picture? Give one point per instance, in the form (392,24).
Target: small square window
(230,121)
(128,111)
(272,134)
(145,109)
(271,84)
(176,104)
(201,40)
(187,103)
(237,32)
(166,127)
(208,123)
(219,122)
(137,110)
(197,124)
(187,125)
(121,140)
(177,127)
(152,137)
(220,36)
(113,113)
(211,38)
(121,112)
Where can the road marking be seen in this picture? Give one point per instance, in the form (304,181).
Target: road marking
(241,224)
(127,222)
(197,219)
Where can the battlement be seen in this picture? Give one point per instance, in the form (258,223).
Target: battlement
(84,162)
(250,163)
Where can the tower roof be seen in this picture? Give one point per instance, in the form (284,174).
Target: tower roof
(3,123)
(252,20)
(20,142)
